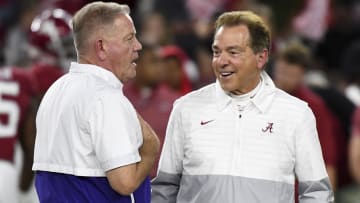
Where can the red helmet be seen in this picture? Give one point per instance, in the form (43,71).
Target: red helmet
(51,33)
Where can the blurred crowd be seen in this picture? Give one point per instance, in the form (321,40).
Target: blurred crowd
(315,56)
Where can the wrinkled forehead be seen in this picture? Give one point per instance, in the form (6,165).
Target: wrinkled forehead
(238,34)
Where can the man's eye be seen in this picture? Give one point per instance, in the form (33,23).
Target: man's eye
(216,53)
(131,37)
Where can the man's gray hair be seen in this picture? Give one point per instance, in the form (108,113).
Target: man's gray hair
(92,17)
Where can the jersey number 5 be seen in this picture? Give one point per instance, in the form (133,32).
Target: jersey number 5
(9,108)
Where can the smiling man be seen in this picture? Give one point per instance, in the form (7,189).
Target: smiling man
(241,139)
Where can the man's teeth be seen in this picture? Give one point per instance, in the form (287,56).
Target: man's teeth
(225,74)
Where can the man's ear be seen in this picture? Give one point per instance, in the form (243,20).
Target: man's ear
(262,58)
(100,49)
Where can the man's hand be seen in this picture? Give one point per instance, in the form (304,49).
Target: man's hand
(151,143)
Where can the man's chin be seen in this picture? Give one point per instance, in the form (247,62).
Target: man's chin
(227,88)
(128,78)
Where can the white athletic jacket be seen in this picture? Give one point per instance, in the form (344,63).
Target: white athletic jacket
(214,154)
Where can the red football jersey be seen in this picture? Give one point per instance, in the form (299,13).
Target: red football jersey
(45,75)
(16,91)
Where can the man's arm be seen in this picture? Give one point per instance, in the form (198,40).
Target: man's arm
(354,146)
(115,131)
(27,141)
(127,179)
(314,184)
(354,156)
(165,186)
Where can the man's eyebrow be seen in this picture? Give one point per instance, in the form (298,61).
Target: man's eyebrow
(234,47)
(131,34)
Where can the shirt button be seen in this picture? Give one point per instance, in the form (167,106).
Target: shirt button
(239,115)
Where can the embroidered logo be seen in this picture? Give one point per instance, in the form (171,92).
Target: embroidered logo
(206,122)
(268,128)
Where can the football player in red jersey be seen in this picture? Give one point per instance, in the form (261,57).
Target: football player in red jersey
(51,47)
(17,123)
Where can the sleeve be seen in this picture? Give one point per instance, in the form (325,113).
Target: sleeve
(114,128)
(166,185)
(314,184)
(45,76)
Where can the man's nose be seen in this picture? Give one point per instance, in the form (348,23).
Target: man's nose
(223,59)
(138,45)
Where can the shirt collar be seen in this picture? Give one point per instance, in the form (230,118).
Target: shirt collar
(223,99)
(98,71)
(261,100)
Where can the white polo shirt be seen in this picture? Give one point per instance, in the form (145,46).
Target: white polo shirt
(85,125)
